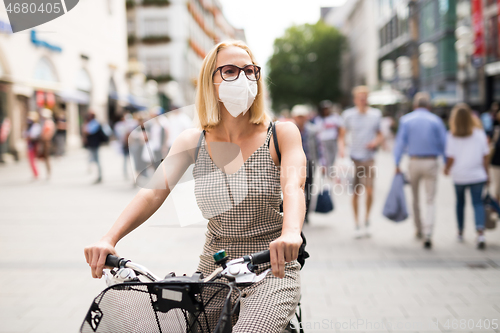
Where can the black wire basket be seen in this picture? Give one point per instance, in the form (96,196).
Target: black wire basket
(160,307)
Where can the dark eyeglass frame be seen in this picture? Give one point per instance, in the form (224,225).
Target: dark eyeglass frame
(240,69)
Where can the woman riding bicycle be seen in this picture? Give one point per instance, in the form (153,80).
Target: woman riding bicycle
(240,197)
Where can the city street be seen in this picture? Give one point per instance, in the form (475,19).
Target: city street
(386,283)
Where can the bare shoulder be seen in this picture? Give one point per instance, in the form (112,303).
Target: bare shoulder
(187,140)
(287,131)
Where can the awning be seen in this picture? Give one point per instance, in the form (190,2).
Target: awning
(136,103)
(76,96)
(20,89)
(386,97)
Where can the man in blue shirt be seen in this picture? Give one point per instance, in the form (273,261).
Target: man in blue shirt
(422,135)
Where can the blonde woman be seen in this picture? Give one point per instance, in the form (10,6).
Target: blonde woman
(239,197)
(467,161)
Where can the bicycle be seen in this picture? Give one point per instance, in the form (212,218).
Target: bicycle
(190,304)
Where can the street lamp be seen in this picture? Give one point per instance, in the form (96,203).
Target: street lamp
(464,47)
(388,70)
(428,55)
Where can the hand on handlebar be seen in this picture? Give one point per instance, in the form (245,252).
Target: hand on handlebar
(96,254)
(284,249)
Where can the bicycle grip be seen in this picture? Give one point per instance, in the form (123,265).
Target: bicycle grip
(261,257)
(113,261)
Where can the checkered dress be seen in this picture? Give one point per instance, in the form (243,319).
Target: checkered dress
(244,217)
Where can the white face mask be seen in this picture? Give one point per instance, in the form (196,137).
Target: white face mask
(237,95)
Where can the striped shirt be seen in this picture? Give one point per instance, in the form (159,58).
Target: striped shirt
(363,128)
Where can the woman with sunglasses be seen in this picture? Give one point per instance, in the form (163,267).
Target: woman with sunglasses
(237,190)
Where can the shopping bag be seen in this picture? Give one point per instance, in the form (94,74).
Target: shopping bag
(395,204)
(324,203)
(490,221)
(492,209)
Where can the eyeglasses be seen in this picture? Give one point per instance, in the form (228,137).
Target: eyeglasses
(232,72)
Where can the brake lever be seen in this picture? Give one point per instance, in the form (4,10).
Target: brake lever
(261,276)
(240,273)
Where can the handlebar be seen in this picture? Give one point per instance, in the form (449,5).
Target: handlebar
(260,257)
(114,261)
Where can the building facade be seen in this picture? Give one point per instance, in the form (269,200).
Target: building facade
(72,64)
(170,38)
(437,24)
(356,21)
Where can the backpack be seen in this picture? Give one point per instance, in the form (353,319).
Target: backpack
(103,137)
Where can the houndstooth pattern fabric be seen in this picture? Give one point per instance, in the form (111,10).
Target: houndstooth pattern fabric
(244,217)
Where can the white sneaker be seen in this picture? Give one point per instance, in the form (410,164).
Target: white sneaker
(460,238)
(358,233)
(367,231)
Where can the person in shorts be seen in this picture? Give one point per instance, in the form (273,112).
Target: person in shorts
(362,124)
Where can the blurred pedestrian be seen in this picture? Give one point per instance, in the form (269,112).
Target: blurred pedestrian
(48,132)
(60,137)
(488,119)
(362,122)
(122,129)
(329,127)
(386,125)
(32,135)
(137,140)
(178,122)
(311,146)
(467,154)
(495,159)
(423,135)
(157,138)
(94,137)
(5,127)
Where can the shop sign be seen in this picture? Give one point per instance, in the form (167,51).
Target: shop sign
(478,28)
(42,43)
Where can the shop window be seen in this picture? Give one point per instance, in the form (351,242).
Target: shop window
(496,87)
(428,20)
(449,55)
(157,66)
(83,81)
(45,71)
(492,38)
(155,27)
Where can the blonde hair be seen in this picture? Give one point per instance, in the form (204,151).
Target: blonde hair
(462,121)
(360,89)
(207,104)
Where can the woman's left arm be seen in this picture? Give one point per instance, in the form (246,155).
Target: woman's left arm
(293,176)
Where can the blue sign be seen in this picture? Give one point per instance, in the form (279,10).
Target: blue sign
(42,43)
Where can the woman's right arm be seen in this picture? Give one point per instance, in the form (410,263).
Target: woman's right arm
(146,202)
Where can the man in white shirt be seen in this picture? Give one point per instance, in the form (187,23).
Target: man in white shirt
(363,124)
(329,127)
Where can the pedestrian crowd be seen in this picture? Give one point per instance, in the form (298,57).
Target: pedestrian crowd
(142,138)
(470,151)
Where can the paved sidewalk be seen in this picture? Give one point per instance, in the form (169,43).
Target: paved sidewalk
(387,283)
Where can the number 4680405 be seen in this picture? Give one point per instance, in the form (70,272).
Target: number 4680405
(471,324)
(32,8)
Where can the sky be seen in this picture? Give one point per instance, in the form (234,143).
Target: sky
(266,20)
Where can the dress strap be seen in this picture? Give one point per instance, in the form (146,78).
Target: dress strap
(200,140)
(269,133)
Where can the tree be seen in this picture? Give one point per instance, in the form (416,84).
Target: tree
(306,65)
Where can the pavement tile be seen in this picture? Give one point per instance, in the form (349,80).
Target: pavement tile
(15,325)
(387,278)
